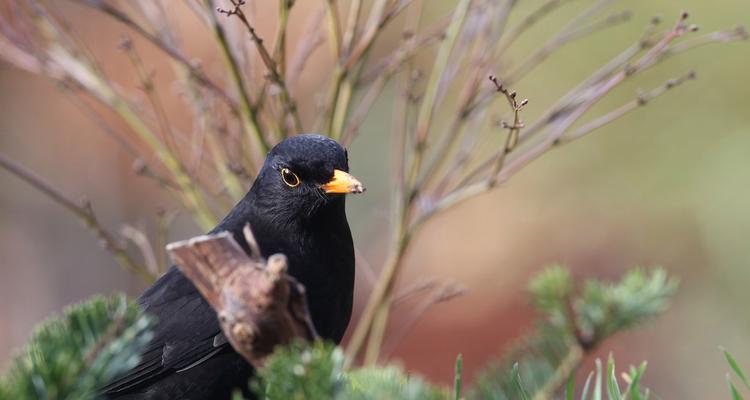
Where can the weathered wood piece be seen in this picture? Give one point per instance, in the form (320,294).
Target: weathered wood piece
(259,306)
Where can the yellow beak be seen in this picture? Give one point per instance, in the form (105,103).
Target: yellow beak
(343,183)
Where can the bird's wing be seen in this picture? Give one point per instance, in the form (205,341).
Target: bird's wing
(187,332)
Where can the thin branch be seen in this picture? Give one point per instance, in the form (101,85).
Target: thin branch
(172,52)
(352,22)
(89,111)
(279,42)
(560,40)
(642,100)
(513,129)
(527,23)
(82,211)
(276,75)
(414,290)
(305,48)
(561,124)
(382,73)
(250,118)
(140,239)
(165,221)
(347,71)
(334,30)
(149,87)
(375,316)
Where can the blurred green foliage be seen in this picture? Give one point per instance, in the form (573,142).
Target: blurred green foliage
(316,371)
(71,356)
(572,324)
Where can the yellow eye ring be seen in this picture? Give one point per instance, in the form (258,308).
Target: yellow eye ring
(290,178)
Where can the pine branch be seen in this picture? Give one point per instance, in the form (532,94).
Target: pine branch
(573,324)
(74,355)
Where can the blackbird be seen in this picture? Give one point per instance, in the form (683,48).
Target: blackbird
(294,207)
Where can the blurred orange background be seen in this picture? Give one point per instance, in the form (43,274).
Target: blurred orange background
(667,185)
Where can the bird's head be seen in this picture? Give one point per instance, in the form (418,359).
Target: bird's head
(303,174)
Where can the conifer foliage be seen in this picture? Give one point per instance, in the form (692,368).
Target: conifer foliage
(70,356)
(92,343)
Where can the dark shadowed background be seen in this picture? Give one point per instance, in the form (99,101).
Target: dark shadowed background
(667,185)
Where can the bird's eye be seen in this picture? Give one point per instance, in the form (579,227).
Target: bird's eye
(290,178)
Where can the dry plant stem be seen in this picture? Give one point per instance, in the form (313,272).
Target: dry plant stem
(560,125)
(615,114)
(71,67)
(279,55)
(334,34)
(375,316)
(347,71)
(513,130)
(193,199)
(166,48)
(430,101)
(528,22)
(413,290)
(384,73)
(559,41)
(166,219)
(140,239)
(66,66)
(489,29)
(587,88)
(98,119)
(207,124)
(228,178)
(149,87)
(577,95)
(276,75)
(279,42)
(83,211)
(355,6)
(249,118)
(306,47)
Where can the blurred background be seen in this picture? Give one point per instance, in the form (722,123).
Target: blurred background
(667,185)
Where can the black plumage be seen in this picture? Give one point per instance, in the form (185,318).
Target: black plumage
(295,207)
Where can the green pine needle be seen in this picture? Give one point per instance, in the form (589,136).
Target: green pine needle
(736,368)
(457,378)
(73,355)
(613,389)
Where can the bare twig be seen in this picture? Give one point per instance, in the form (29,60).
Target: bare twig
(346,72)
(641,100)
(568,35)
(513,129)
(149,87)
(276,75)
(82,211)
(527,23)
(334,30)
(375,315)
(140,239)
(279,42)
(560,125)
(169,50)
(314,38)
(249,117)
